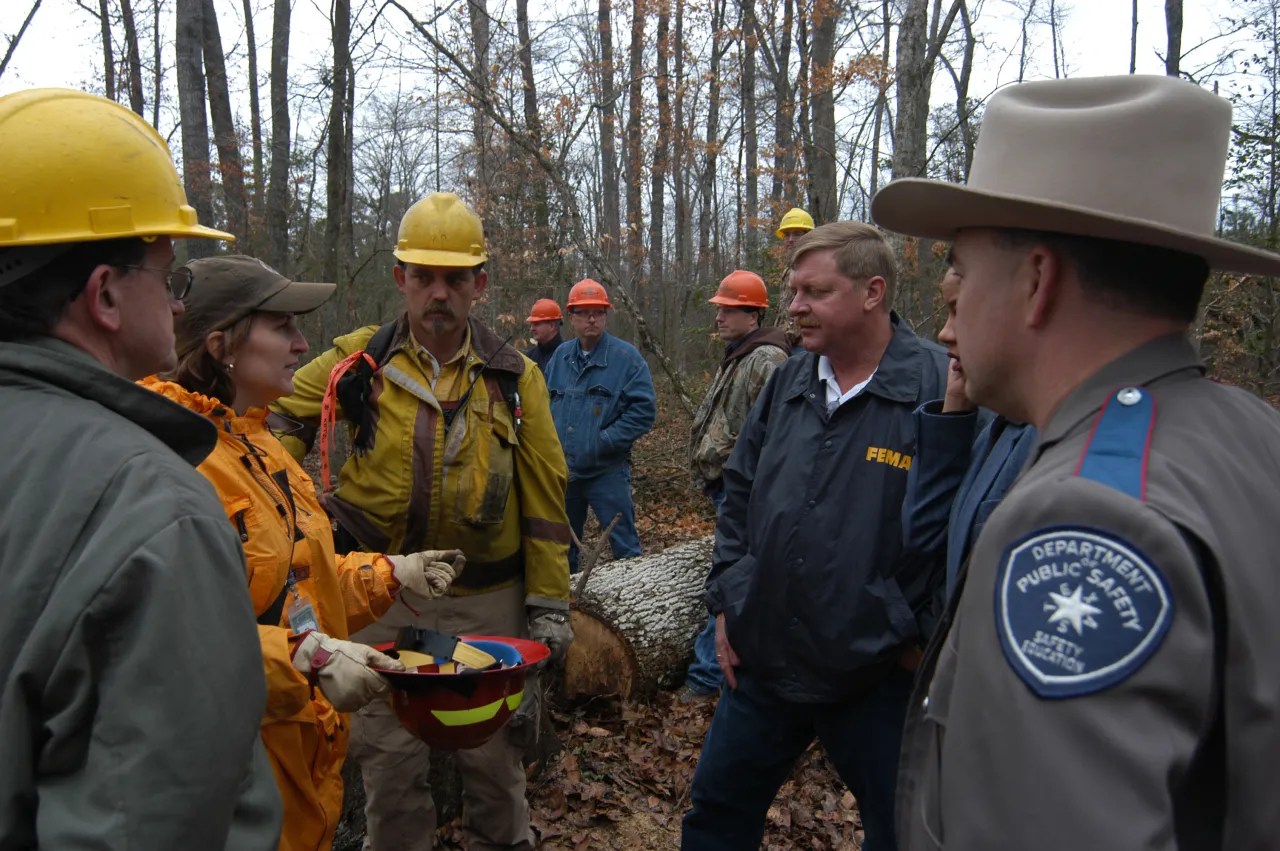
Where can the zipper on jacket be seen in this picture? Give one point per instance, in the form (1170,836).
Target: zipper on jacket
(240,526)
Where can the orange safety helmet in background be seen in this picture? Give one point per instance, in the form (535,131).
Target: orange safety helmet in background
(741,289)
(588,293)
(544,310)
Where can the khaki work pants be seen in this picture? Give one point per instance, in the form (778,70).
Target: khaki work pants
(399,810)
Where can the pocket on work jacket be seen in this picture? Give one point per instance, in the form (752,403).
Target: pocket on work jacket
(488,470)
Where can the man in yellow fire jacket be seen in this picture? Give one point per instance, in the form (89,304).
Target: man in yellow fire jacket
(454,449)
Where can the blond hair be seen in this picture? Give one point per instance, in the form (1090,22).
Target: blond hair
(861,252)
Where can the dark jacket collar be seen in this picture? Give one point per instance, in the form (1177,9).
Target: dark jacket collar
(1147,363)
(897,377)
(757,339)
(52,362)
(550,345)
(487,345)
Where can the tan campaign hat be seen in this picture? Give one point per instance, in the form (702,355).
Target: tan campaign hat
(1135,159)
(228,288)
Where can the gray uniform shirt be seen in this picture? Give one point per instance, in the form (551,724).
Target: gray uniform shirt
(131,684)
(1105,678)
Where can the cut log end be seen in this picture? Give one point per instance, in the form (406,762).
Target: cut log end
(599,662)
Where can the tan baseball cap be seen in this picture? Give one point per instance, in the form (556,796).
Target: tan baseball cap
(228,288)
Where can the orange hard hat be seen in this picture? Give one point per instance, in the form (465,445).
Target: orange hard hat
(460,711)
(544,310)
(588,293)
(741,289)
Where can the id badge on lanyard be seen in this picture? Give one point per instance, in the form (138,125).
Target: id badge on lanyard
(301,614)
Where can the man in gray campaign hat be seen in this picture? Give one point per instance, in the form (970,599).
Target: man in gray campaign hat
(1103,677)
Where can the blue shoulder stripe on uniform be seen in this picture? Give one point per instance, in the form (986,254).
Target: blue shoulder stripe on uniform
(1116,452)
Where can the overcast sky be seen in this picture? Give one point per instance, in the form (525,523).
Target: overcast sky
(63,48)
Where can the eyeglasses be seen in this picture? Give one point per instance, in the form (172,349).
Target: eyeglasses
(590,314)
(176,281)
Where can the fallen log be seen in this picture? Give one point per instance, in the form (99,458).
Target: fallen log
(635,621)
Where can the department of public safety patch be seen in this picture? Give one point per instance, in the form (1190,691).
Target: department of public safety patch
(1078,610)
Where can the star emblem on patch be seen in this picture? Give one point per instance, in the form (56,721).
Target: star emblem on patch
(1072,609)
(1078,610)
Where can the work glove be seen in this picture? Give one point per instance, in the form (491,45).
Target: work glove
(341,669)
(428,573)
(551,627)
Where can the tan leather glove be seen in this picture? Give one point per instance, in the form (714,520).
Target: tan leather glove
(428,573)
(341,669)
(551,627)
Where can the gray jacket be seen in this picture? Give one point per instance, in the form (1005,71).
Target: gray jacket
(131,687)
(1105,675)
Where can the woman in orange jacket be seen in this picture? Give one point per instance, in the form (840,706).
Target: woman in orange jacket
(238,346)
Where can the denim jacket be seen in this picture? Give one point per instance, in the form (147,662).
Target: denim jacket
(602,409)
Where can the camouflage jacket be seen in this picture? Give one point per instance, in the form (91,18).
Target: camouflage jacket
(733,391)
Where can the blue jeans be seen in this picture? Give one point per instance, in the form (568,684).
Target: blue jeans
(607,494)
(756,737)
(704,674)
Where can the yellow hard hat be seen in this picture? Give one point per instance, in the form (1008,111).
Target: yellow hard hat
(795,219)
(441,230)
(81,168)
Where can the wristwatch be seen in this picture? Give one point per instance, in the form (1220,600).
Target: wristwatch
(554,617)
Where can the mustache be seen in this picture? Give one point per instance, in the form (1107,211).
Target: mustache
(438,308)
(806,323)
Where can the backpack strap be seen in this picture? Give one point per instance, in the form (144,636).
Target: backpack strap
(351,385)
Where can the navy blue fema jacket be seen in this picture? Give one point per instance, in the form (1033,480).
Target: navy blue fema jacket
(603,409)
(809,569)
(957,481)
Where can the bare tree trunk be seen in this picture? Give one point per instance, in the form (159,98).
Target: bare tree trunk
(13,42)
(337,156)
(750,139)
(713,144)
(482,127)
(784,172)
(684,237)
(108,54)
(157,60)
(1053,35)
(133,58)
(533,126)
(189,45)
(230,165)
(881,102)
(635,153)
(1173,26)
(255,113)
(1026,22)
(661,156)
(278,193)
(918,49)
(804,100)
(1133,41)
(822,177)
(612,225)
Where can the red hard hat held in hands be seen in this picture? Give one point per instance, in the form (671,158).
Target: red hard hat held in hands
(741,289)
(544,310)
(588,293)
(460,711)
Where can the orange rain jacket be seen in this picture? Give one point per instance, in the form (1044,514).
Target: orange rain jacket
(305,737)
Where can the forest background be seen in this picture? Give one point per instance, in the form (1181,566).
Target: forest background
(650,144)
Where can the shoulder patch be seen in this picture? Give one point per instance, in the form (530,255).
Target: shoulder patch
(1078,610)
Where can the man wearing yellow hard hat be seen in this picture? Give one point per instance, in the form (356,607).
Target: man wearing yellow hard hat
(131,686)
(455,449)
(795,224)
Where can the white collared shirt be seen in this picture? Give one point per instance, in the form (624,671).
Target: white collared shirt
(836,398)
